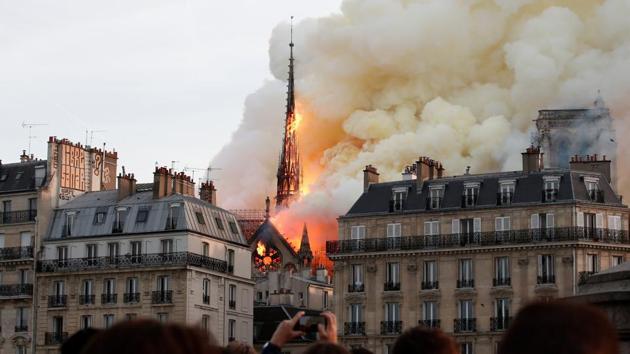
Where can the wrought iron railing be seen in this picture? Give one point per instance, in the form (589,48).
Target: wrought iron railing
(108,299)
(391,327)
(206,299)
(465,283)
(16,253)
(499,323)
(434,323)
(464,325)
(354,328)
(87,299)
(131,298)
(16,289)
(121,262)
(57,300)
(478,239)
(16,217)
(546,279)
(162,297)
(428,285)
(503,281)
(21,328)
(356,288)
(232,304)
(53,338)
(391,286)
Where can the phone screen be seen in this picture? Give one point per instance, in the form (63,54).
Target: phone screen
(309,324)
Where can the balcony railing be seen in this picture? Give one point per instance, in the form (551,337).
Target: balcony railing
(16,217)
(430,323)
(505,281)
(546,279)
(21,328)
(15,253)
(87,299)
(391,286)
(57,300)
(356,288)
(109,299)
(53,338)
(128,261)
(16,289)
(428,285)
(354,328)
(465,283)
(232,304)
(464,325)
(129,298)
(478,239)
(391,327)
(162,297)
(499,323)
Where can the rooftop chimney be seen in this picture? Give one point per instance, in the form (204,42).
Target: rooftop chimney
(370,176)
(24,157)
(183,184)
(592,163)
(208,192)
(126,185)
(427,169)
(532,159)
(162,182)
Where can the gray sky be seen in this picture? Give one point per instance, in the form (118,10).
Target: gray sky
(166,80)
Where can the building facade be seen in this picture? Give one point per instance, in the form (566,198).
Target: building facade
(143,250)
(464,253)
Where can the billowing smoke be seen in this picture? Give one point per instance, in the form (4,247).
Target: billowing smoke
(386,81)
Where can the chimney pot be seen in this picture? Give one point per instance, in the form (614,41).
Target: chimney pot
(532,159)
(370,176)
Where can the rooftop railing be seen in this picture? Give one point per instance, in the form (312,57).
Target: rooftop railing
(142,261)
(18,216)
(478,239)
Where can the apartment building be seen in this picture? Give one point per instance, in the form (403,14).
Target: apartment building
(144,250)
(464,253)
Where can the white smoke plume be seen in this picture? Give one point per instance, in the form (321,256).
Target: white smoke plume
(384,81)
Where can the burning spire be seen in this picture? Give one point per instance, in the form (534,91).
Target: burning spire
(305,255)
(289,172)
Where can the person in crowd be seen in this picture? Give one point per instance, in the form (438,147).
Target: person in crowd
(238,347)
(560,328)
(360,350)
(286,332)
(152,337)
(423,340)
(326,348)
(78,341)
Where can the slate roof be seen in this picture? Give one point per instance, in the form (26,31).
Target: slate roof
(528,190)
(87,205)
(267,232)
(20,176)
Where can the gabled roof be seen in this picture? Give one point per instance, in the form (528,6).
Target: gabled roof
(268,234)
(20,176)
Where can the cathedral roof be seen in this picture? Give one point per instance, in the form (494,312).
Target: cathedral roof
(268,234)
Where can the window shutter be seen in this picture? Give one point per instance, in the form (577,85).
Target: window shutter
(611,222)
(455,226)
(397,230)
(550,221)
(540,265)
(477,224)
(580,219)
(390,230)
(498,224)
(534,222)
(599,221)
(435,228)
(427,228)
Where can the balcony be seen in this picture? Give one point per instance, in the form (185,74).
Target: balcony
(504,198)
(162,297)
(430,285)
(129,298)
(390,286)
(465,283)
(16,290)
(434,323)
(10,253)
(87,299)
(354,328)
(480,239)
(55,301)
(17,217)
(356,288)
(55,338)
(232,304)
(179,259)
(469,201)
(21,328)
(109,299)
(464,325)
(549,195)
(546,279)
(434,203)
(505,281)
(391,327)
(498,324)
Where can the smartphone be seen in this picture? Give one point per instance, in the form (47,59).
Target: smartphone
(308,324)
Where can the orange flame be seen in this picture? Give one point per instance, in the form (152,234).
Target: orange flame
(260,248)
(293,127)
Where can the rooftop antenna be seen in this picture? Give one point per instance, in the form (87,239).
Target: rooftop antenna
(92,131)
(30,135)
(208,170)
(173,162)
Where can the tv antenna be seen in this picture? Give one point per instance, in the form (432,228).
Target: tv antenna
(207,170)
(30,135)
(91,136)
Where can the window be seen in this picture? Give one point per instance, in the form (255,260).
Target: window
(136,251)
(109,287)
(231,330)
(506,192)
(550,192)
(120,215)
(356,284)
(592,188)
(465,309)
(162,317)
(205,322)
(173,216)
(132,294)
(466,278)
(546,274)
(87,290)
(24,276)
(467,230)
(230,260)
(32,203)
(233,227)
(3,177)
(108,320)
(21,319)
(501,271)
(466,348)
(91,252)
(392,311)
(616,260)
(614,227)
(502,227)
(113,250)
(431,232)
(200,218)
(19,174)
(131,316)
(86,321)
(592,263)
(143,215)
(167,246)
(219,223)
(542,226)
(392,280)
(357,232)
(429,312)
(471,193)
(501,318)
(205,249)
(162,284)
(232,296)
(62,254)
(57,326)
(429,275)
(325,299)
(398,199)
(206,291)
(25,239)
(436,195)
(356,313)
(99,217)
(58,288)
(393,230)
(69,224)
(20,349)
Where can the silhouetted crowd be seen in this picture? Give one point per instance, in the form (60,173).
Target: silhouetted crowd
(541,328)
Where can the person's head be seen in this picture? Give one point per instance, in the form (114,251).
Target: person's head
(152,337)
(560,328)
(326,348)
(238,347)
(423,340)
(78,341)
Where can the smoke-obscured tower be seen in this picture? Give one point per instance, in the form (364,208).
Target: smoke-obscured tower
(289,172)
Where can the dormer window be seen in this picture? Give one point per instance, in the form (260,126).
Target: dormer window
(592,189)
(398,199)
(173,216)
(120,215)
(436,195)
(68,225)
(551,187)
(143,214)
(471,193)
(506,192)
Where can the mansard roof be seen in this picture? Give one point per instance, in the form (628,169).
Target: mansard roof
(20,176)
(195,215)
(528,190)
